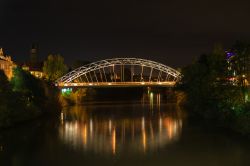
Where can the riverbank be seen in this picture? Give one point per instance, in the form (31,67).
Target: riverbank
(237,121)
(24,98)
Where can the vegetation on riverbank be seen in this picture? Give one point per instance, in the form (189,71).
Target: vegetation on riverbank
(216,87)
(25,97)
(70,97)
(77,96)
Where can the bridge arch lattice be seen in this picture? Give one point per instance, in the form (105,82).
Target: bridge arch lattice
(126,70)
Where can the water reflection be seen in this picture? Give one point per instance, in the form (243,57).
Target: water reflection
(154,100)
(112,129)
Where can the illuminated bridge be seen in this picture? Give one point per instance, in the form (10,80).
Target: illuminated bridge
(121,72)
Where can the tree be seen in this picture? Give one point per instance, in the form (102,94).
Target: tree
(54,67)
(30,89)
(206,85)
(210,91)
(24,97)
(5,85)
(5,98)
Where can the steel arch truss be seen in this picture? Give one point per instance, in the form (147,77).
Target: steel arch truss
(90,71)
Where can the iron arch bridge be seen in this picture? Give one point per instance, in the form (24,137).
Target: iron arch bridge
(121,72)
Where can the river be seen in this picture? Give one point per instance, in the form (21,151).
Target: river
(140,132)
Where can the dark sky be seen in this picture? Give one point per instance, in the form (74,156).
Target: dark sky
(169,31)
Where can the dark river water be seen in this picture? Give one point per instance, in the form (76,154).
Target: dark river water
(146,131)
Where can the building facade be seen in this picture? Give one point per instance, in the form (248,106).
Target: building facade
(238,67)
(35,70)
(6,64)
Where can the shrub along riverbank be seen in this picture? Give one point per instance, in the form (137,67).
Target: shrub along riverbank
(216,87)
(25,97)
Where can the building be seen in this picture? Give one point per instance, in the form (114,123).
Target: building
(34,69)
(6,64)
(238,67)
(34,66)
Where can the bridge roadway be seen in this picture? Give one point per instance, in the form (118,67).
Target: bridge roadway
(118,84)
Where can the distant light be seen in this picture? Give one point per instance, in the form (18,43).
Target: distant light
(230,54)
(110,125)
(143,122)
(246,97)
(90,84)
(142,83)
(109,84)
(62,117)
(66,90)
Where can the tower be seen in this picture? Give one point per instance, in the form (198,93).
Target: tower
(34,54)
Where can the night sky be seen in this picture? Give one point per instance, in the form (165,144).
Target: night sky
(173,32)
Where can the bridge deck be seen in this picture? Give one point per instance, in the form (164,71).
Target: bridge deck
(118,84)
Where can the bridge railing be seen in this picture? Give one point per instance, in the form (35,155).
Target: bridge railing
(112,84)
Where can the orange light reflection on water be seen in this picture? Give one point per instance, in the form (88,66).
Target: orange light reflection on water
(111,135)
(150,134)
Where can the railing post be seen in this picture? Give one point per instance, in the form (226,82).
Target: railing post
(100,74)
(141,73)
(132,73)
(95,76)
(167,77)
(104,74)
(91,77)
(151,71)
(159,76)
(121,77)
(80,79)
(114,73)
(123,73)
(87,77)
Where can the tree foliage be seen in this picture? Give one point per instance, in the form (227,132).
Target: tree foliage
(5,99)
(206,84)
(210,91)
(241,62)
(54,67)
(31,88)
(24,97)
